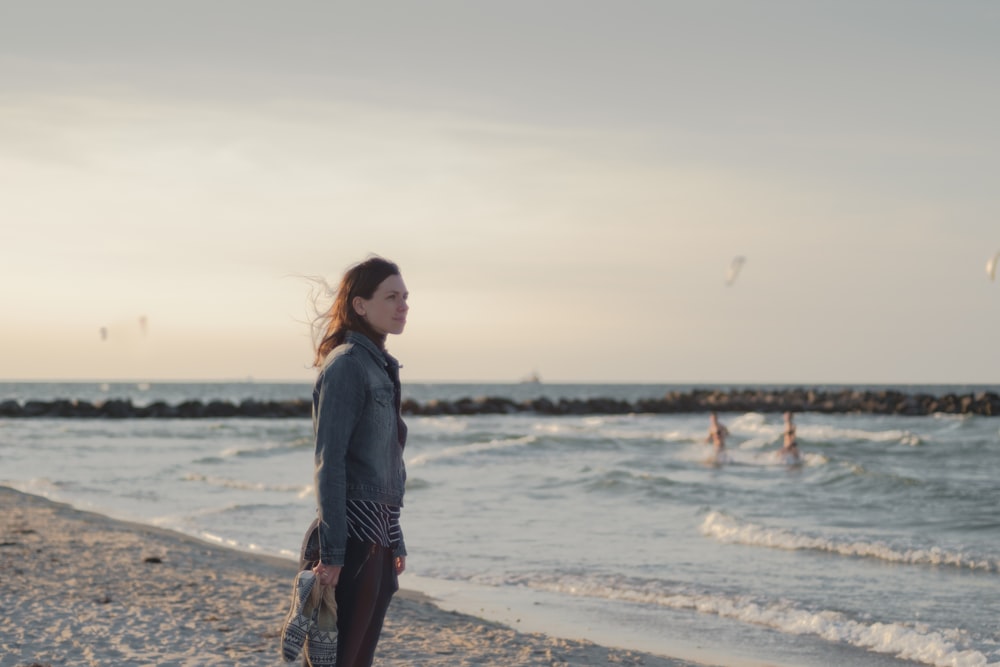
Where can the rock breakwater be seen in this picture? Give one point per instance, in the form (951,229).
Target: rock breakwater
(696,401)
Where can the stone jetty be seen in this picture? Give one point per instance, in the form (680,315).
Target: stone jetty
(696,401)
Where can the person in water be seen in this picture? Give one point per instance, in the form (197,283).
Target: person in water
(717,433)
(790,449)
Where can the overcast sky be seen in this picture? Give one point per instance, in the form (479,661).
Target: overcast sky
(564,185)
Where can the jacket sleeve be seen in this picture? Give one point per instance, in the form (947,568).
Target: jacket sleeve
(338,409)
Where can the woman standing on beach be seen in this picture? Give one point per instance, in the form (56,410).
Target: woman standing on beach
(360,437)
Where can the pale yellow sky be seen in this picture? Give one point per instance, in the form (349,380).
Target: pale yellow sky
(563,185)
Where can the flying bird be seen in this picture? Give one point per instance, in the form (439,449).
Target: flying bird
(734,269)
(991,266)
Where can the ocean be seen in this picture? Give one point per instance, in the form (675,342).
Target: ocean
(881,549)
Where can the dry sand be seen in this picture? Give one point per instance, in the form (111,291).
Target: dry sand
(81,589)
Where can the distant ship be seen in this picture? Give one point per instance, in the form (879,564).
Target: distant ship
(534,378)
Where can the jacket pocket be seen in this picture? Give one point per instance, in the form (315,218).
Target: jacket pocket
(383,396)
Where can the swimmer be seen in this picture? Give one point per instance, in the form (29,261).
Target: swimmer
(717,434)
(790,450)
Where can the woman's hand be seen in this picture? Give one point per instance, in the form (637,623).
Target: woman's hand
(327,575)
(400,563)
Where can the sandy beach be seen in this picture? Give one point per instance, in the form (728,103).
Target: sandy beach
(78,588)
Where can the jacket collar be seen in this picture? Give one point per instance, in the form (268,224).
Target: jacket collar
(380,355)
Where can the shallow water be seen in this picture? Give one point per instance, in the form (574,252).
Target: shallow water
(883,548)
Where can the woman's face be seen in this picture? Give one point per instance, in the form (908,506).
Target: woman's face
(386,311)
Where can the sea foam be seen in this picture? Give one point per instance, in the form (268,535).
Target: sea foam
(458,451)
(940,648)
(725,528)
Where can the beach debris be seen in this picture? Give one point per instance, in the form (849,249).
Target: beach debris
(152,559)
(734,269)
(991,265)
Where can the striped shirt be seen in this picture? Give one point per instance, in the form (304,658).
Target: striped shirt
(373,522)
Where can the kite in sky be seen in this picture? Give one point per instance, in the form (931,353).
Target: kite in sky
(734,269)
(119,328)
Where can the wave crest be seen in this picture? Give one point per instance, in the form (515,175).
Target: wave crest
(727,529)
(458,451)
(916,642)
(245,485)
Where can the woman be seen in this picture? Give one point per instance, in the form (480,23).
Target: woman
(360,437)
(716,433)
(789,451)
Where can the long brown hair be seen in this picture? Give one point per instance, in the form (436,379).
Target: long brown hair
(360,280)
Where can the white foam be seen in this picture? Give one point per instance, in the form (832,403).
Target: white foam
(828,433)
(755,423)
(937,647)
(458,451)
(727,529)
(269,448)
(754,431)
(244,485)
(444,423)
(219,539)
(759,432)
(948,416)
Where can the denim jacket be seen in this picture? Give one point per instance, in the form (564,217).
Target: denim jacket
(360,437)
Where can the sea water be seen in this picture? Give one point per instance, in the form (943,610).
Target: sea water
(881,548)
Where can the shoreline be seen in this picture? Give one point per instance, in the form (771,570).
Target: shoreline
(80,588)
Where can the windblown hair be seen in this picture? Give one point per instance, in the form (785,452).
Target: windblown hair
(331,326)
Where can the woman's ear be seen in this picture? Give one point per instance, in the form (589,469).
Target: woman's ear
(359,305)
